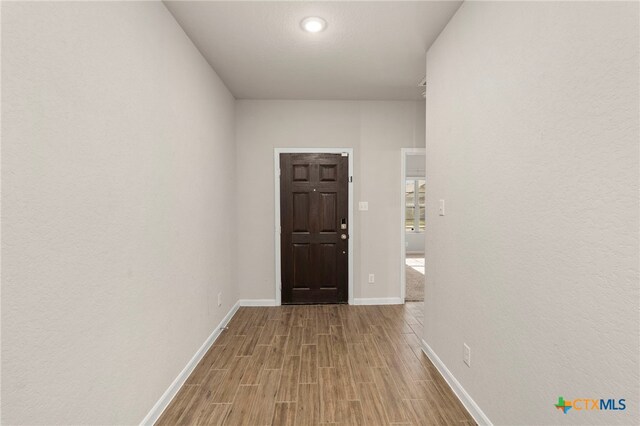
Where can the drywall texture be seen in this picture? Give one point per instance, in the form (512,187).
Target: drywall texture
(532,140)
(376,131)
(117,209)
(414,166)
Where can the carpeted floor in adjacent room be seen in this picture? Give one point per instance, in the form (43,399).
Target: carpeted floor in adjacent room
(414,276)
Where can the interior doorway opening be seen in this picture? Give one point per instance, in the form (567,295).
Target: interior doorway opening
(413,226)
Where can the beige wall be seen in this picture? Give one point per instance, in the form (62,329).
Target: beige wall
(532,140)
(376,131)
(117,209)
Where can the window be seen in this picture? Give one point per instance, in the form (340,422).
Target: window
(414,219)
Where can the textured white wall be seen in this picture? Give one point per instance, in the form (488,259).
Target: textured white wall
(532,140)
(376,131)
(414,166)
(117,211)
(414,242)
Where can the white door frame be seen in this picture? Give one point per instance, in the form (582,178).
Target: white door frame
(403,249)
(351,224)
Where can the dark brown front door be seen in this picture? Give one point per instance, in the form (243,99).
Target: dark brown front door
(314,228)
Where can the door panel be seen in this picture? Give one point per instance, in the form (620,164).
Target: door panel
(301,172)
(300,212)
(313,205)
(301,258)
(328,212)
(328,172)
(328,262)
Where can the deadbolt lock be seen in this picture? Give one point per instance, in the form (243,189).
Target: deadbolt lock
(343,236)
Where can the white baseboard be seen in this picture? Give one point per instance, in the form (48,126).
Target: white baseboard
(471,406)
(173,389)
(257,302)
(378,301)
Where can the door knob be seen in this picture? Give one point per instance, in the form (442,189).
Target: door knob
(343,236)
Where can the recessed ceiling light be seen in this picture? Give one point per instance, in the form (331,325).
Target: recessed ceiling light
(313,24)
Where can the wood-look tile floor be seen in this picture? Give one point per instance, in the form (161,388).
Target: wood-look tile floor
(312,365)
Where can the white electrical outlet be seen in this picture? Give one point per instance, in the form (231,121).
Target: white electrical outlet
(441,209)
(363,205)
(467,355)
(219,299)
(372,278)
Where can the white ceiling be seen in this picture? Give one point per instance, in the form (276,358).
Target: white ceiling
(370,50)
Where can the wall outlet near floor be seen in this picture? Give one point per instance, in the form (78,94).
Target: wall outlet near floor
(219,299)
(372,278)
(467,355)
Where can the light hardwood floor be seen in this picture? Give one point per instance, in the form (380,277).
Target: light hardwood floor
(309,365)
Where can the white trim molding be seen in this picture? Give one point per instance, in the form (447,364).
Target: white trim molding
(474,409)
(378,301)
(350,223)
(173,389)
(257,302)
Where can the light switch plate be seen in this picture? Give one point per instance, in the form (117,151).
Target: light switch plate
(363,205)
(441,208)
